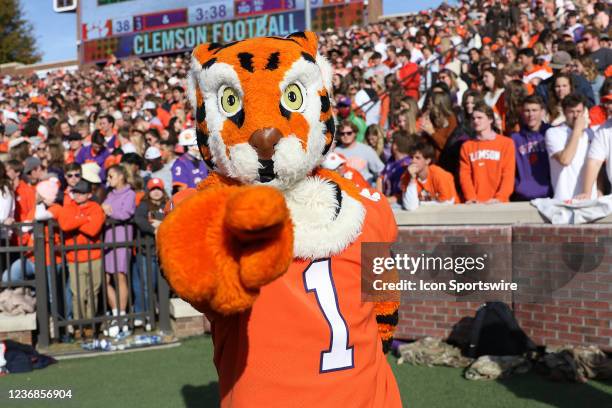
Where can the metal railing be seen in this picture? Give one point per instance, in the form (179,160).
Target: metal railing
(55,279)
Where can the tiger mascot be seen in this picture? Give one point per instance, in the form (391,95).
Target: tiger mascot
(269,246)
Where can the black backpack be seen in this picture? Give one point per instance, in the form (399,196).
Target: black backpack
(495,332)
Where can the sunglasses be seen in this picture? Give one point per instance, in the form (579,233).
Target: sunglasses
(346,133)
(73,175)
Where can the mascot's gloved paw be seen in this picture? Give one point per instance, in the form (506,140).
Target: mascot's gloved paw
(259,218)
(220,246)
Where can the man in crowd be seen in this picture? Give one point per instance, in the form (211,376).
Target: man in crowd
(567,146)
(158,169)
(532,168)
(487,163)
(358,155)
(189,169)
(601,56)
(600,151)
(427,182)
(107,129)
(82,224)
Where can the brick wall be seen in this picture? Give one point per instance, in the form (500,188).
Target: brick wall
(579,313)
(190,326)
(24,336)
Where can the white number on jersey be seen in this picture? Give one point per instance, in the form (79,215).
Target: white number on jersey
(318,278)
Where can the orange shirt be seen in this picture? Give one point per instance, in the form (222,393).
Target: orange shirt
(486,169)
(439,186)
(273,354)
(82,224)
(355,176)
(25,200)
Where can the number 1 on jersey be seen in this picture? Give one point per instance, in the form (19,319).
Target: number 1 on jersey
(318,278)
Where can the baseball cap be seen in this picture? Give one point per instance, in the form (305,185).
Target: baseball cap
(149,105)
(187,138)
(82,187)
(48,189)
(560,59)
(155,183)
(333,161)
(10,128)
(152,153)
(30,164)
(91,172)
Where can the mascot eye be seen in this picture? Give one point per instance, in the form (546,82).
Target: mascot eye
(292,97)
(230,101)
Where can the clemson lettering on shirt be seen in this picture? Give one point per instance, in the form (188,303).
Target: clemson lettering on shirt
(485,154)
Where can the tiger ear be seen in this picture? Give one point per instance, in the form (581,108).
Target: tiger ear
(308,40)
(204,52)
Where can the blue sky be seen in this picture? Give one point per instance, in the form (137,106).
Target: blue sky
(56,33)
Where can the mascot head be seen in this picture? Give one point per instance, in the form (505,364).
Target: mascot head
(262,108)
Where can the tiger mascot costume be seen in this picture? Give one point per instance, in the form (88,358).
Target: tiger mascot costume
(269,246)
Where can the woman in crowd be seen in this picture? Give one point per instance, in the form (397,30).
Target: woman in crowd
(149,215)
(493,86)
(562,86)
(375,138)
(438,121)
(586,67)
(119,206)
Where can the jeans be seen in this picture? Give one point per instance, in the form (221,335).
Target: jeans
(22,270)
(139,281)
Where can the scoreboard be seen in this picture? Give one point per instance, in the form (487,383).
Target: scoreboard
(126,28)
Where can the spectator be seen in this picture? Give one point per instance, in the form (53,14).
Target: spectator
(107,129)
(567,146)
(562,86)
(532,74)
(493,85)
(602,57)
(487,163)
(158,170)
(560,63)
(73,176)
(7,202)
(390,181)
(600,151)
(585,67)
(119,205)
(532,167)
(25,196)
(408,75)
(375,138)
(189,169)
(438,121)
(346,112)
(96,152)
(75,143)
(367,99)
(82,224)
(425,181)
(359,156)
(148,216)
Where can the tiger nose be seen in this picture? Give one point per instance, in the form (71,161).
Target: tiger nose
(264,140)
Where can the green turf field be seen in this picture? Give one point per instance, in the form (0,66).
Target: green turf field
(184,376)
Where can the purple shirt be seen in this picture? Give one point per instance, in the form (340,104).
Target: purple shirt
(187,171)
(85,155)
(392,175)
(532,166)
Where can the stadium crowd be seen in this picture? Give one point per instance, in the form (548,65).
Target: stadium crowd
(483,102)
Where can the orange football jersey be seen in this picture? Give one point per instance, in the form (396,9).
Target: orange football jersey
(309,341)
